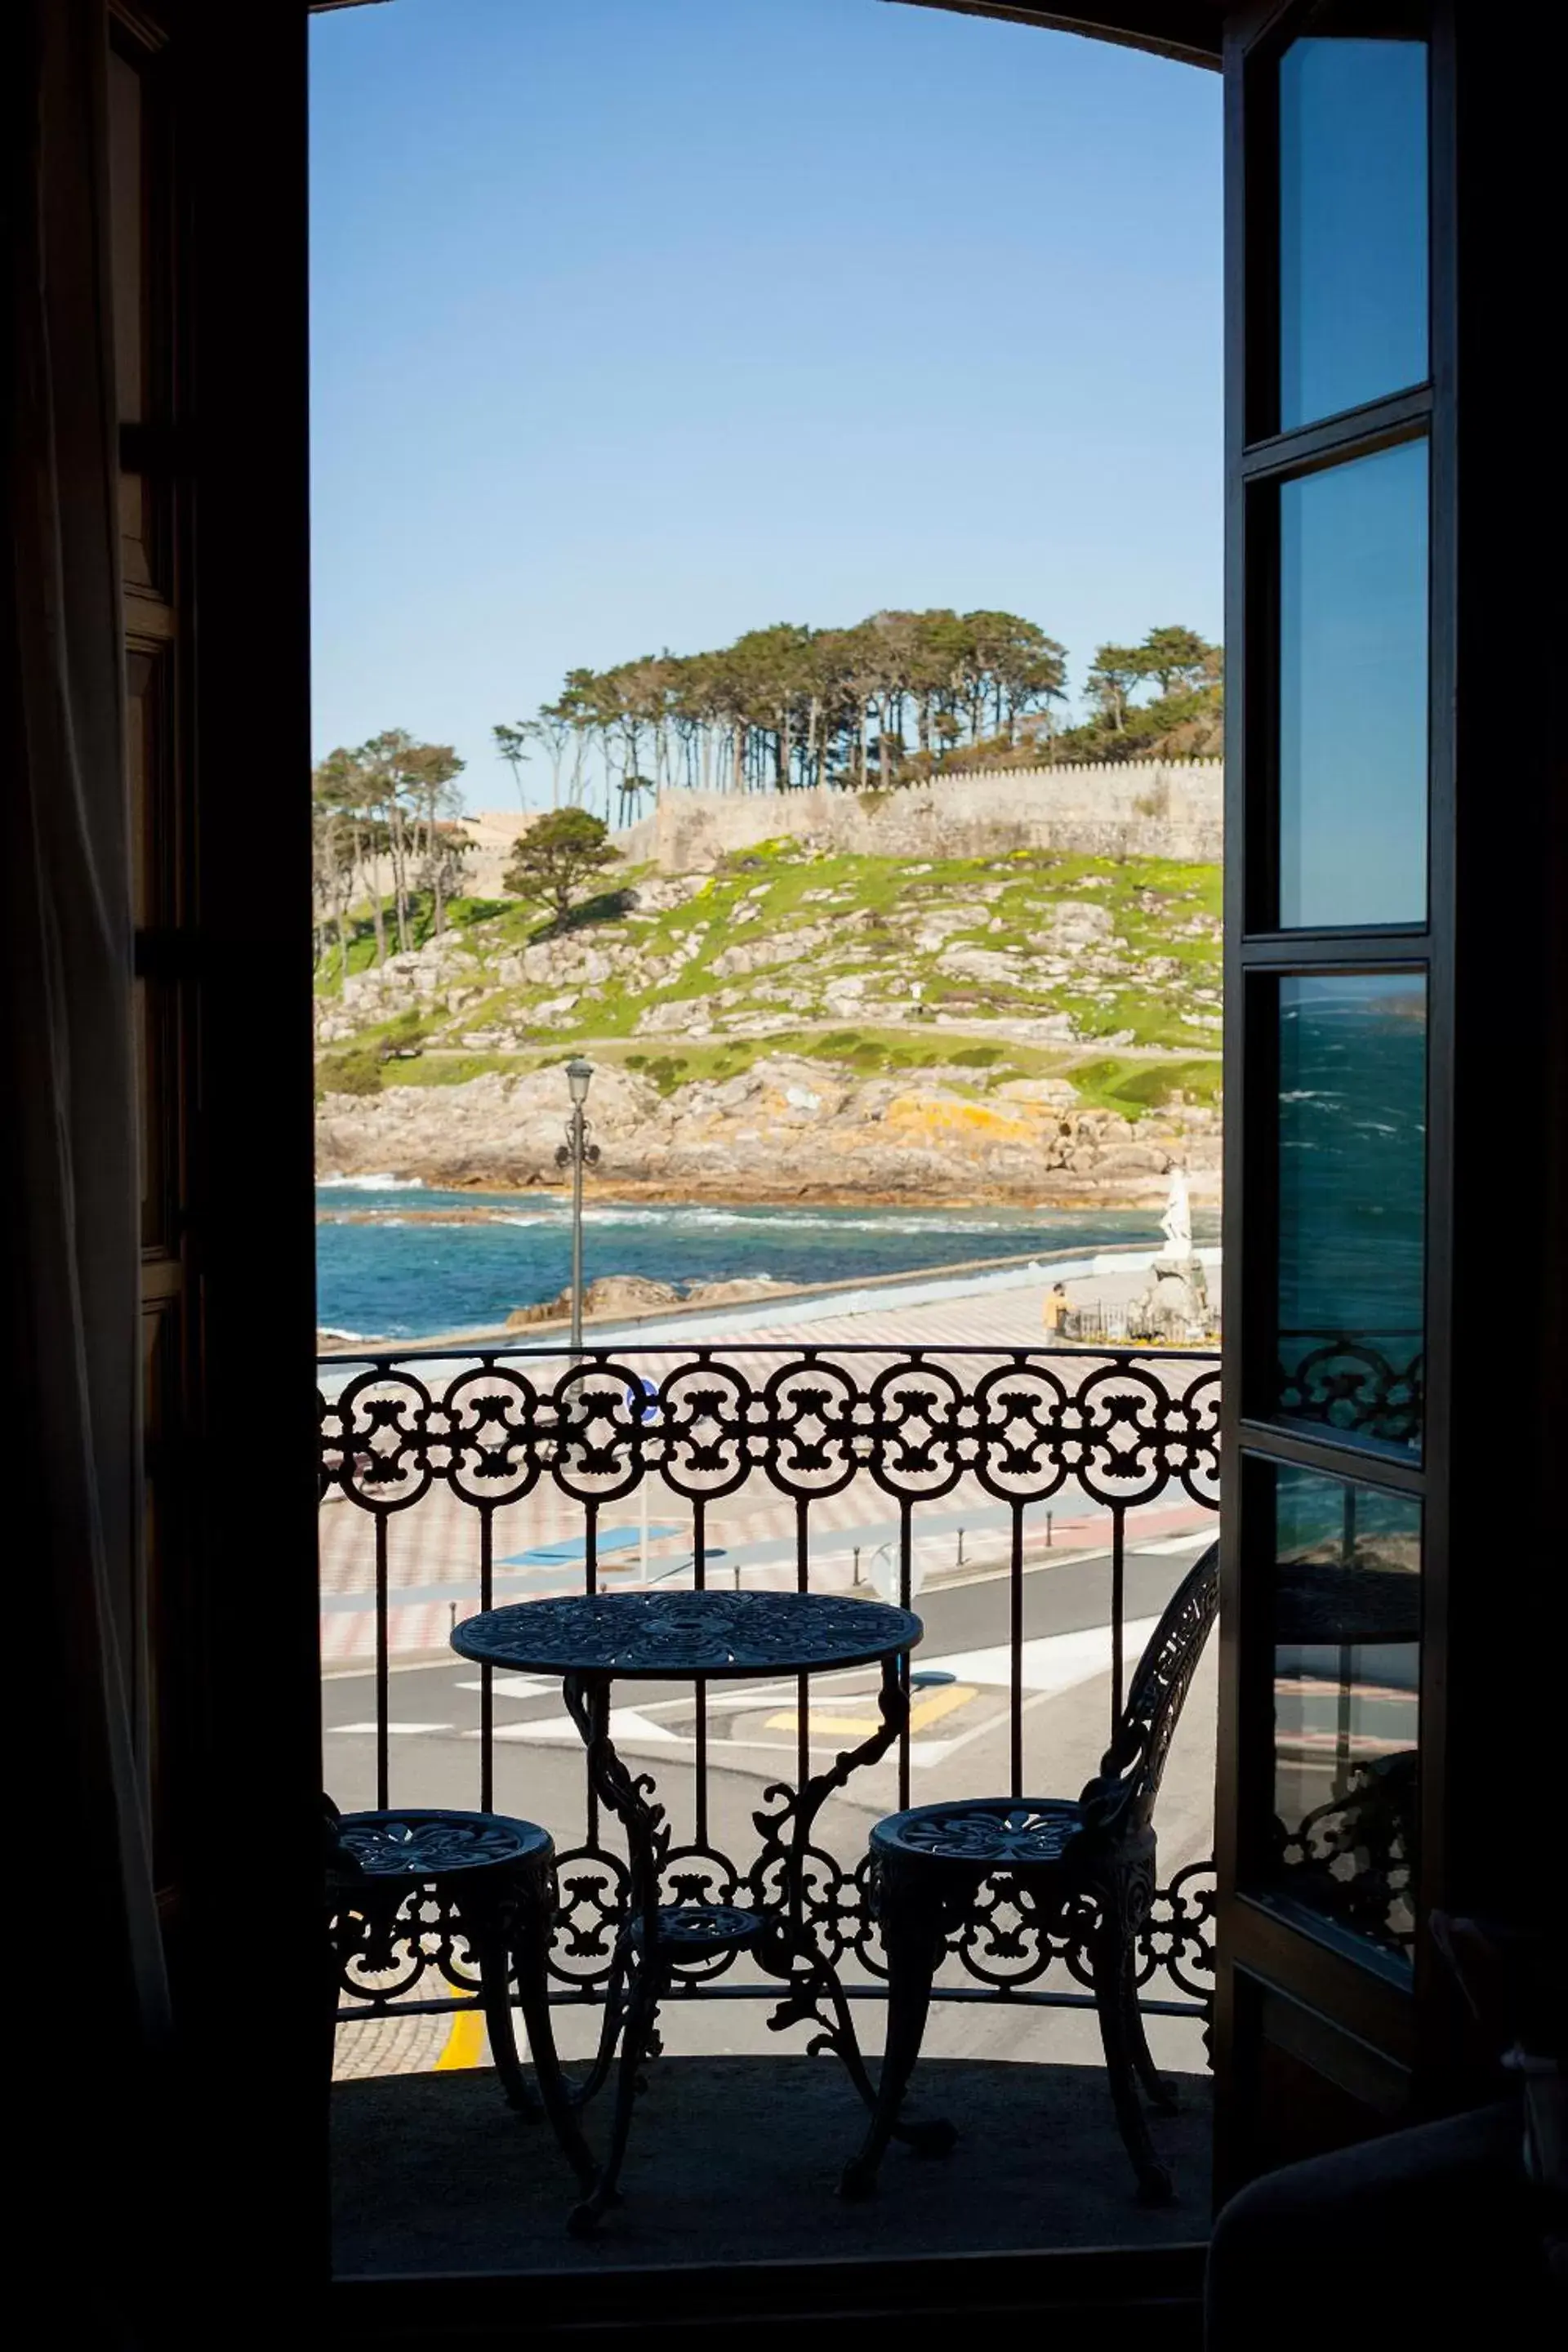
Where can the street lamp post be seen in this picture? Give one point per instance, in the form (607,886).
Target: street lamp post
(576,1153)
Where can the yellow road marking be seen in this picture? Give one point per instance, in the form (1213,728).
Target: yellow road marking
(466,2044)
(929,1707)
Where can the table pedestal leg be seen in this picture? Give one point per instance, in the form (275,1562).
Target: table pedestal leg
(649,1983)
(788,1949)
(639,1972)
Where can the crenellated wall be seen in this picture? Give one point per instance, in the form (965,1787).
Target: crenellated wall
(1130,808)
(1134,808)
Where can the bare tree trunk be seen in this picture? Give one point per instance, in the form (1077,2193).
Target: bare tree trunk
(399,878)
(437,880)
(372,886)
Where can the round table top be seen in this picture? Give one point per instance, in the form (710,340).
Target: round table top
(672,1636)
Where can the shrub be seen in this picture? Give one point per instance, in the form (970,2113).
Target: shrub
(357,1072)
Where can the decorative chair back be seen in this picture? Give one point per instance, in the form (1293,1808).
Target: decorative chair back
(1121,1794)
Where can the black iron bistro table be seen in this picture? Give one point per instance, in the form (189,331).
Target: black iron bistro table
(700,1637)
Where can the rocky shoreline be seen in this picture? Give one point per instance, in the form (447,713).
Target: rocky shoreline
(785,1130)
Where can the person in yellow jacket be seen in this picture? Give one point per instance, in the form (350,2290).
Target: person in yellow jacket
(1056,1311)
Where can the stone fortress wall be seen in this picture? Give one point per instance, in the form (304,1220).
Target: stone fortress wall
(1134,808)
(1131,808)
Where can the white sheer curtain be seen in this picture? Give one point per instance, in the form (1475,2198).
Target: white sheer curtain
(67,1141)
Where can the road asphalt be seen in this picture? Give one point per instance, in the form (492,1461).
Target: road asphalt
(961,1729)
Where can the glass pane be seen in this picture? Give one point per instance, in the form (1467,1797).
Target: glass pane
(1353,692)
(1352,223)
(1352,1164)
(1347,1652)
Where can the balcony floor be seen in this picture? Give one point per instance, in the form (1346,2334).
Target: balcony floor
(734,2158)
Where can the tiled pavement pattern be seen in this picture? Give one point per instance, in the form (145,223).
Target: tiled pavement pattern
(390,2045)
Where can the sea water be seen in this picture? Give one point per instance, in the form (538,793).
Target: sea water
(403,1277)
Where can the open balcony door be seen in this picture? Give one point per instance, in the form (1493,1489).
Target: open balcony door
(1370,1476)
(1390,977)
(207,140)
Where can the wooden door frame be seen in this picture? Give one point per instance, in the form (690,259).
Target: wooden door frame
(248,1949)
(233,455)
(250,2007)
(1492,947)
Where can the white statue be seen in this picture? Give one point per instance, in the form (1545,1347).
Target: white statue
(1176,1304)
(1176,1224)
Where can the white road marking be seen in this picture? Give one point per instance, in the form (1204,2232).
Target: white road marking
(626,1724)
(925,1753)
(395,1730)
(1051,1662)
(515,1686)
(1050,1665)
(1173,1544)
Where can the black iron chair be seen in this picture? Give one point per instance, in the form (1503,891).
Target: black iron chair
(495,1877)
(1092,1857)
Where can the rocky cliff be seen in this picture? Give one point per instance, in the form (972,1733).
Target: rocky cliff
(1033,1029)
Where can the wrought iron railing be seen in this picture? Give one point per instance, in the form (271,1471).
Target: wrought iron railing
(1012,1443)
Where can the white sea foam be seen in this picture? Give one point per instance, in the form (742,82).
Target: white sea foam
(609,1216)
(851,1220)
(370,1184)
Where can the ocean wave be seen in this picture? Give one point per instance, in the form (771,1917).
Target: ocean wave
(767,1218)
(332,1332)
(848,1221)
(611,1216)
(370,1184)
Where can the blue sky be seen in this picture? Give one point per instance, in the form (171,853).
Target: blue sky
(637,323)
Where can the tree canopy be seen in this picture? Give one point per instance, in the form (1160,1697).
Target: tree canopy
(555,856)
(886,702)
(1185,714)
(383,811)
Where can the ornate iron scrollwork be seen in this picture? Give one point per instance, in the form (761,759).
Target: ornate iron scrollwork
(1354,1388)
(491,1427)
(1353,1857)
